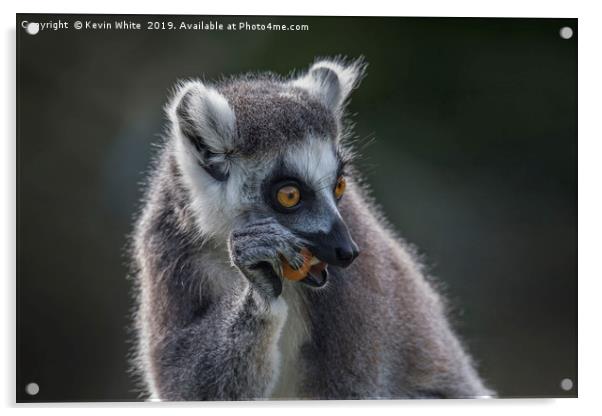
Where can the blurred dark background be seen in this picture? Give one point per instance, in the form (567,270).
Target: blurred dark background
(468,130)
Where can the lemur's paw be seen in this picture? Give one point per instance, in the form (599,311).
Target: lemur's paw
(258,249)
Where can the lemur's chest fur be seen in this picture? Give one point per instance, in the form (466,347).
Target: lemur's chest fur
(223,279)
(295,333)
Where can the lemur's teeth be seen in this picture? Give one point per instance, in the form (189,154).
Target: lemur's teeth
(314,260)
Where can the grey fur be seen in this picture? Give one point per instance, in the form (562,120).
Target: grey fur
(263,241)
(214,324)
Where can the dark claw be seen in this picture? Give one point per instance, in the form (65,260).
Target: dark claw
(316,281)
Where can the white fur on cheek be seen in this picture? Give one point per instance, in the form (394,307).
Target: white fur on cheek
(213,202)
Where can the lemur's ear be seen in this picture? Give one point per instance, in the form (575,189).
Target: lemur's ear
(332,80)
(204,118)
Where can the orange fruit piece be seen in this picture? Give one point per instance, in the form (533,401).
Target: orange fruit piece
(301,272)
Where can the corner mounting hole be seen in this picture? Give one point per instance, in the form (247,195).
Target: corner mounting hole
(32,389)
(566,384)
(32,28)
(566,32)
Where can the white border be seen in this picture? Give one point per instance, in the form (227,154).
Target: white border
(461,8)
(590,195)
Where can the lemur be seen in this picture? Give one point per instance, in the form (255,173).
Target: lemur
(254,169)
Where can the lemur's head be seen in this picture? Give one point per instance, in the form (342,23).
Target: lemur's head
(261,145)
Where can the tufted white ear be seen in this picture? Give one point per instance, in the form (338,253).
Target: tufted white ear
(203,117)
(332,80)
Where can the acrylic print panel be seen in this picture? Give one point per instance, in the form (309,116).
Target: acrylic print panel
(238,208)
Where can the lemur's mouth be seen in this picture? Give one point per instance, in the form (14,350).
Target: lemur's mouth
(318,273)
(313,272)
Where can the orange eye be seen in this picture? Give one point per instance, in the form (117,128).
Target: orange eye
(339,189)
(288,196)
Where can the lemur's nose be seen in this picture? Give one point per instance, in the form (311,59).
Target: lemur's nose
(346,255)
(345,249)
(335,247)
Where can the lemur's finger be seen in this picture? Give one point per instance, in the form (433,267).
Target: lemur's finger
(294,256)
(297,272)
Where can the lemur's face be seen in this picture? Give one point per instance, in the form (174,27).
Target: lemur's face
(302,191)
(256,148)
